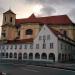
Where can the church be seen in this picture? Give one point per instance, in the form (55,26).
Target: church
(50,38)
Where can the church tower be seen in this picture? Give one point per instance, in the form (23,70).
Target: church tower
(8,26)
(9,17)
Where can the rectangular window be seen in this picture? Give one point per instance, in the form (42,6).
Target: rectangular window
(0,46)
(15,46)
(48,37)
(44,37)
(65,47)
(3,47)
(40,37)
(71,47)
(11,47)
(37,46)
(61,46)
(7,47)
(31,46)
(20,47)
(51,45)
(43,40)
(25,46)
(44,46)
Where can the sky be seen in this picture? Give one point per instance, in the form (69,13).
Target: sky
(24,8)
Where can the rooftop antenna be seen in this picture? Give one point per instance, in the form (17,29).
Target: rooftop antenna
(9,7)
(10,4)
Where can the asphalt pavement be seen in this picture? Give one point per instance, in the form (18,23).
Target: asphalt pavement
(34,70)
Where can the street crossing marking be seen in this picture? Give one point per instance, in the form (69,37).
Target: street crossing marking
(30,70)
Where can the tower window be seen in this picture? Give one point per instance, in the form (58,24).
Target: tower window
(29,32)
(10,19)
(5,18)
(3,34)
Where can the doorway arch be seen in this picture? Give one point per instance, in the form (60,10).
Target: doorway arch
(37,56)
(52,56)
(20,56)
(30,55)
(44,56)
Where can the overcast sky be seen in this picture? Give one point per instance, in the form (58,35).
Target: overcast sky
(24,8)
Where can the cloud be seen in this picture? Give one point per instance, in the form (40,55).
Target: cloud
(23,8)
(49,1)
(1,10)
(72,14)
(47,10)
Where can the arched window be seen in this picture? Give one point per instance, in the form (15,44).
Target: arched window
(10,55)
(59,57)
(10,19)
(37,56)
(2,54)
(29,32)
(31,56)
(52,56)
(44,56)
(69,55)
(63,57)
(25,56)
(15,55)
(20,56)
(5,18)
(6,55)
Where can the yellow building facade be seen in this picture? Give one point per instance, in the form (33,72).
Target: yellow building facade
(19,29)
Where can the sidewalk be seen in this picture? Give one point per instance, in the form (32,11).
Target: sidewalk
(62,66)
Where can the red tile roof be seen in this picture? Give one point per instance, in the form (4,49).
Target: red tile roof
(60,19)
(60,35)
(31,19)
(20,41)
(57,32)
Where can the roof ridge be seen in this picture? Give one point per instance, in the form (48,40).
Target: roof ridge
(60,19)
(32,16)
(42,17)
(9,11)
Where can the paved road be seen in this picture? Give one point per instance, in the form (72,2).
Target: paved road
(34,70)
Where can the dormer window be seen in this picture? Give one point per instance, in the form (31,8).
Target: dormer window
(65,33)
